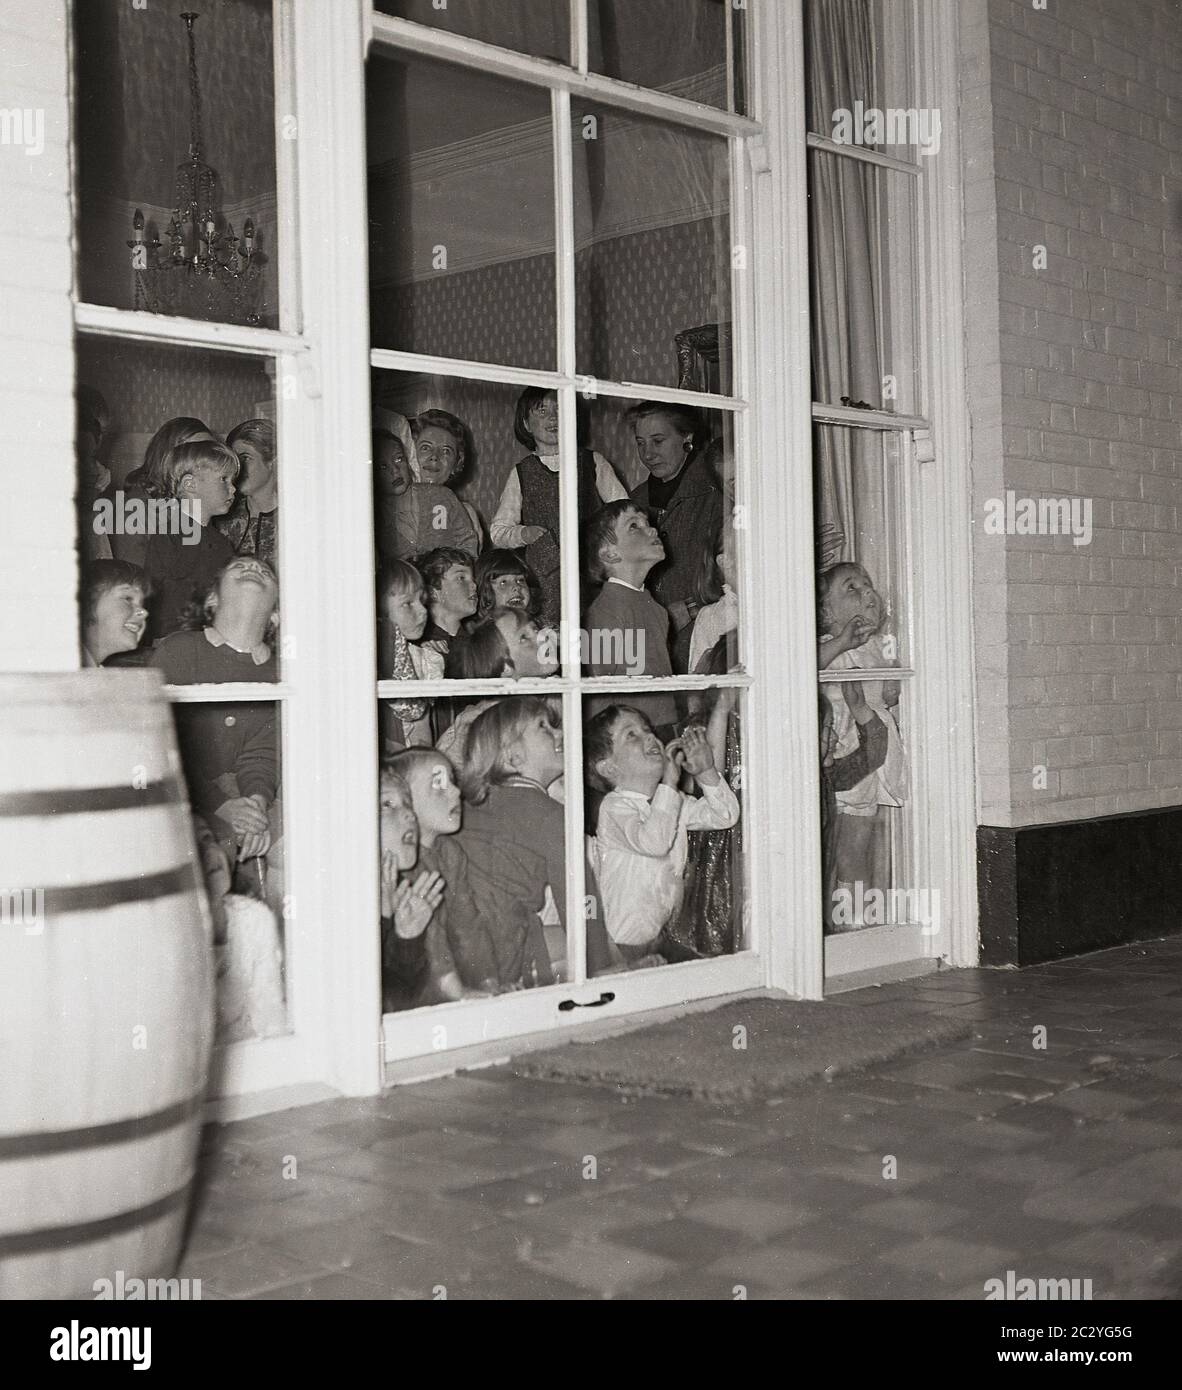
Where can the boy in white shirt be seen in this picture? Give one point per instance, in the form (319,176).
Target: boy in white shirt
(642,840)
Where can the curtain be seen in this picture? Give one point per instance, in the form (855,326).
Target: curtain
(843,230)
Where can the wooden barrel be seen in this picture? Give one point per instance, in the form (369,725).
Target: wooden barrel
(106,989)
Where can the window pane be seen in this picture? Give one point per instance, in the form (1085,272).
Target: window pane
(473,860)
(864,589)
(859,77)
(675,46)
(866,817)
(863,239)
(231,759)
(461,214)
(537,27)
(653,251)
(159,488)
(162,163)
(682,899)
(677,465)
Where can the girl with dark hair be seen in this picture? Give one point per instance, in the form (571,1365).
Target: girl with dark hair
(681,496)
(504,580)
(527,515)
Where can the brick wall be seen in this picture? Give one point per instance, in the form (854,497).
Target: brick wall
(1079,659)
(38,620)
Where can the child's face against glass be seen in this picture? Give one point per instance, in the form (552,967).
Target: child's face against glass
(726,567)
(457,591)
(543,423)
(210,493)
(437,454)
(408,612)
(660,446)
(532,650)
(510,591)
(852,595)
(118,623)
(393,469)
(637,752)
(540,750)
(436,799)
(398,826)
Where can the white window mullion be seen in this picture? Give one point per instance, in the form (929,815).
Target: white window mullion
(572,714)
(140,326)
(580,48)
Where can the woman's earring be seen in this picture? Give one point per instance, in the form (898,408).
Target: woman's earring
(688,447)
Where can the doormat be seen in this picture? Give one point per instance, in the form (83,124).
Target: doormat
(748,1049)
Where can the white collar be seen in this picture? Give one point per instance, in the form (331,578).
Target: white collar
(549,461)
(259,654)
(636,589)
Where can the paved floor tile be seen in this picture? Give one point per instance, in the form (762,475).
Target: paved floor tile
(918,1179)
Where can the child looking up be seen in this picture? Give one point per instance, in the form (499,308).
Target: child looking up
(407,908)
(644,821)
(850,618)
(450,593)
(627,630)
(402,617)
(183,561)
(461,959)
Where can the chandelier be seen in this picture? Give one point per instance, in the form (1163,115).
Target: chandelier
(206,272)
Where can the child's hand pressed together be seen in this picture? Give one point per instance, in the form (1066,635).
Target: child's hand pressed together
(692,753)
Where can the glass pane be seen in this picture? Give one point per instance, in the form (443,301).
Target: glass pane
(474,860)
(461,213)
(864,285)
(667,847)
(175,129)
(652,251)
(672,535)
(177,475)
(230,754)
(859,77)
(864,584)
(675,46)
(537,27)
(866,821)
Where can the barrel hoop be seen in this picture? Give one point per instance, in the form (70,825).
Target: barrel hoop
(83,1232)
(59,1141)
(86,896)
(72,801)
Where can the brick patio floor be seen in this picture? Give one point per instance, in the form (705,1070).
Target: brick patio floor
(1061,1162)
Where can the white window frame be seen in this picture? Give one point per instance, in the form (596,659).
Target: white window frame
(330,720)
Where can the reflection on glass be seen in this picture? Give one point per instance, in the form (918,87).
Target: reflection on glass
(678,465)
(652,251)
(230,756)
(176,160)
(860,524)
(863,284)
(675,46)
(537,27)
(665,818)
(159,488)
(461,213)
(858,76)
(865,793)
(474,860)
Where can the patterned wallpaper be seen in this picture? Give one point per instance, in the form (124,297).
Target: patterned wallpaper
(640,290)
(144,386)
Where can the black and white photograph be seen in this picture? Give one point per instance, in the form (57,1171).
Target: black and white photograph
(591,661)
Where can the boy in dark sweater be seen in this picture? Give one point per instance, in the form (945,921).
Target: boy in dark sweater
(625,629)
(183,559)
